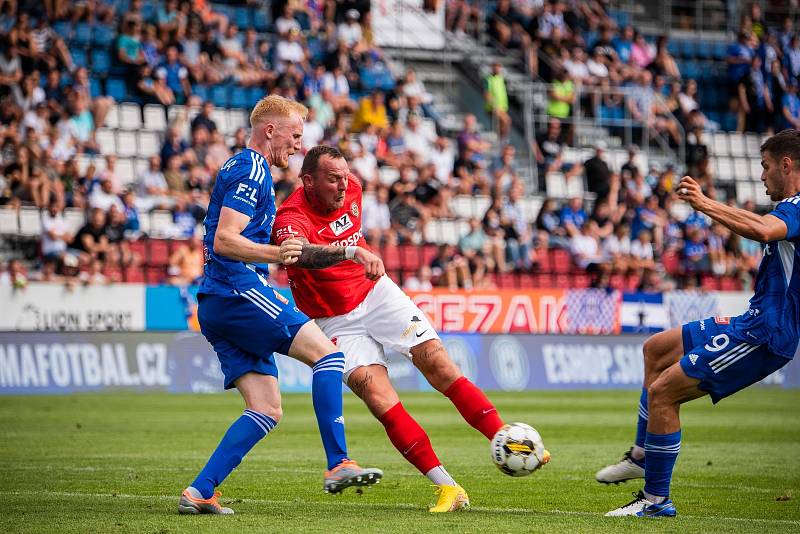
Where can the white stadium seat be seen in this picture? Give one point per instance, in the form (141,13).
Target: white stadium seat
(220,118)
(720,144)
(738,147)
(105,139)
(126,143)
(112,117)
(149,144)
(130,117)
(75,219)
(154,118)
(125,170)
(9,221)
(724,169)
(30,221)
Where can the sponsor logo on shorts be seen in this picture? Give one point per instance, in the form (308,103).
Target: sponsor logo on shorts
(415,322)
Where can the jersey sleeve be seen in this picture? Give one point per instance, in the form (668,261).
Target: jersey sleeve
(289,223)
(241,186)
(789,213)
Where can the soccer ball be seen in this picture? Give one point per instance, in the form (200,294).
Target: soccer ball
(517,450)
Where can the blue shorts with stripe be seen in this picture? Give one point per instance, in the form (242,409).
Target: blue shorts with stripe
(724,360)
(246,327)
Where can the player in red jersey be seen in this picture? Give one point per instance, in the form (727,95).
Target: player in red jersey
(341,284)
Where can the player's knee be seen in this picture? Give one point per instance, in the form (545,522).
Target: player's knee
(658,394)
(271,410)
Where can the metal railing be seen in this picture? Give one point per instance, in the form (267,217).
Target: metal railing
(590,112)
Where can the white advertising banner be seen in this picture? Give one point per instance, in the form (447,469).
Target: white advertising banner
(409,23)
(56,307)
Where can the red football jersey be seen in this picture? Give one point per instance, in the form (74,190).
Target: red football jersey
(334,290)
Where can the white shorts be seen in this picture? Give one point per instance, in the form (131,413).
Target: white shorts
(387,317)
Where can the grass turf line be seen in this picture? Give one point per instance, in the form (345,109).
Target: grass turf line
(117,463)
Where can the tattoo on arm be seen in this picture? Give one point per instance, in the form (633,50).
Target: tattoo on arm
(319,256)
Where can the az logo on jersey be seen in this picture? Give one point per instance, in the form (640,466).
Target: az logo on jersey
(341,225)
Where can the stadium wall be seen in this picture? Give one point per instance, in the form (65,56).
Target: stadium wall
(64,362)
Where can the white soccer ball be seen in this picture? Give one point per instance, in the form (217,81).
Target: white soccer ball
(517,450)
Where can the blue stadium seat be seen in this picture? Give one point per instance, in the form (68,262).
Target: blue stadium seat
(115,87)
(238,97)
(79,57)
(688,49)
(83,34)
(243,16)
(261,19)
(254,94)
(201,91)
(63,28)
(219,95)
(704,50)
(103,35)
(720,50)
(94,87)
(674,48)
(101,61)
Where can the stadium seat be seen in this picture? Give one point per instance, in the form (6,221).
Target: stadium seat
(105,139)
(527,281)
(64,29)
(562,281)
(561,261)
(261,19)
(101,61)
(720,145)
(238,118)
(149,144)
(220,118)
(79,57)
(30,221)
(126,143)
(155,275)
(94,88)
(219,95)
(125,170)
(112,117)
(741,169)
(82,35)
(729,283)
(428,253)
(709,283)
(507,281)
(238,97)
(103,35)
(724,169)
(134,275)
(388,175)
(410,258)
(671,262)
(130,116)
(391,257)
(158,252)
(154,118)
(9,221)
(581,281)
(738,146)
(243,17)
(115,87)
(161,222)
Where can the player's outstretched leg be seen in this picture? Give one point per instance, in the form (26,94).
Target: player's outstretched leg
(261,396)
(660,351)
(431,358)
(371,383)
(326,393)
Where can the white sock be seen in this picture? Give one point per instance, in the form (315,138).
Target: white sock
(439,476)
(655,499)
(637,453)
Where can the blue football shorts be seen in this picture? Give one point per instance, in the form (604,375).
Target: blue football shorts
(247,327)
(724,360)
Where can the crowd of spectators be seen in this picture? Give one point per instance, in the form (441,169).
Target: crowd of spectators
(324,54)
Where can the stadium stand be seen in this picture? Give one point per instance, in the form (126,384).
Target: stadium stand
(129,111)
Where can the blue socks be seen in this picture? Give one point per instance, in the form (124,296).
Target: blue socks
(242,436)
(661,451)
(326,392)
(641,426)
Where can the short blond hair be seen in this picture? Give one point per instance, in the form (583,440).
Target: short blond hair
(274,106)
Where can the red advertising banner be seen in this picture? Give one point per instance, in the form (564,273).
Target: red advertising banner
(495,311)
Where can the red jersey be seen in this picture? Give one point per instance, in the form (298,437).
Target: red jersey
(334,290)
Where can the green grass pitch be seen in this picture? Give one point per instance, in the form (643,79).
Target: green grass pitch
(117,463)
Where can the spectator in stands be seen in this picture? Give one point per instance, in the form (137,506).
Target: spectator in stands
(174,146)
(10,69)
(623,44)
(450,268)
(376,220)
(663,63)
(14,276)
(496,98)
(103,197)
(616,249)
(371,112)
(81,127)
(478,249)
(695,252)
(287,20)
(519,241)
(290,50)
(754,99)
(642,254)
(337,83)
(175,75)
(598,173)
(642,52)
(406,216)
(240,137)
(169,19)
(130,53)
(443,159)
(790,107)
(572,216)
(585,247)
(186,263)
(470,139)
(115,232)
(349,31)
(55,233)
(548,149)
(91,240)
(562,96)
(421,281)
(203,119)
(153,89)
(739,57)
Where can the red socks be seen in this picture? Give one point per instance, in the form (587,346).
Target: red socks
(474,407)
(409,438)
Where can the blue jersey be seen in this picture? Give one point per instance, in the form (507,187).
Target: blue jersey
(244,184)
(774,314)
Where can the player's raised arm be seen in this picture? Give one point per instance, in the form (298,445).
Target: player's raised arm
(229,242)
(762,228)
